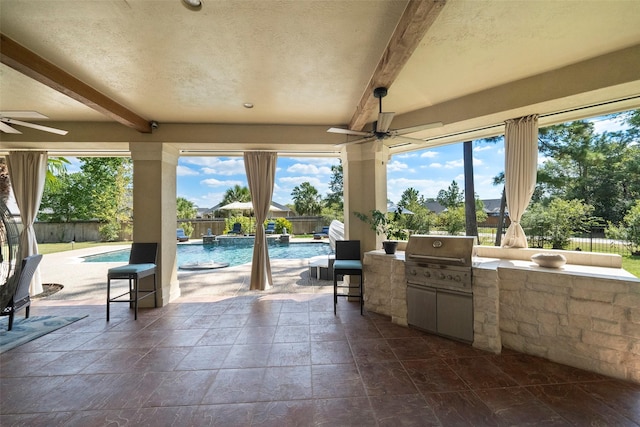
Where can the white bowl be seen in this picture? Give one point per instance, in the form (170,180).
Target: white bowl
(549,260)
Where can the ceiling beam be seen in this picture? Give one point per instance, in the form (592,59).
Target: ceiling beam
(414,23)
(28,63)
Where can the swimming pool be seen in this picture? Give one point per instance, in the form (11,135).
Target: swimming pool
(233,255)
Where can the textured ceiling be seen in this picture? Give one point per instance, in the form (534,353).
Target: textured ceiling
(307,62)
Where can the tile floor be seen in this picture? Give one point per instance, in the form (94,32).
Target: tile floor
(285,359)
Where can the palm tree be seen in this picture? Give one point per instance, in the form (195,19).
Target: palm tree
(236,193)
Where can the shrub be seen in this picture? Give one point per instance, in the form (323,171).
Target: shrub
(110,232)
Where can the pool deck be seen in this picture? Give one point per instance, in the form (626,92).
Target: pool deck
(85,282)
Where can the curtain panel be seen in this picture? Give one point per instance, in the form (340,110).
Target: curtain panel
(261,172)
(521,165)
(27,171)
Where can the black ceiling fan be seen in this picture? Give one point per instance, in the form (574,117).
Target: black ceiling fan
(381,127)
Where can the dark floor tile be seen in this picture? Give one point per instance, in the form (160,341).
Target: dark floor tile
(344,412)
(286,383)
(284,413)
(516,406)
(294,319)
(50,419)
(331,352)
(361,330)
(289,354)
(235,386)
(386,378)
(220,336)
(332,381)
(117,391)
(327,332)
(116,361)
(21,396)
(290,333)
(433,376)
(247,356)
(16,364)
(410,348)
(391,330)
(231,415)
(461,408)
(181,388)
(448,348)
(182,338)
(204,357)
(479,373)
(404,410)
(256,335)
(577,406)
(623,397)
(111,417)
(162,359)
(69,363)
(372,351)
(200,321)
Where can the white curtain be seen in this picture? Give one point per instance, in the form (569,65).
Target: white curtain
(261,173)
(521,164)
(27,171)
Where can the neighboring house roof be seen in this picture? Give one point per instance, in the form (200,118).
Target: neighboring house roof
(491,207)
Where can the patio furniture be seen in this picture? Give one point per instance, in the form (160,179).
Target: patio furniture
(324,233)
(347,263)
(20,298)
(142,263)
(271,228)
(182,237)
(237,229)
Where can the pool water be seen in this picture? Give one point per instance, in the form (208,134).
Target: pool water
(234,255)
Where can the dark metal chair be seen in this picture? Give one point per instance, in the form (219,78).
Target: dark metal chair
(347,263)
(142,263)
(271,228)
(237,229)
(20,298)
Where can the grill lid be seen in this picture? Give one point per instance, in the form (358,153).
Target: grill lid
(449,250)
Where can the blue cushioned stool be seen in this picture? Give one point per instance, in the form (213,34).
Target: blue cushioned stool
(347,263)
(142,263)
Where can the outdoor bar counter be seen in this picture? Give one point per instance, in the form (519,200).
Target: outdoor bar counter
(584,314)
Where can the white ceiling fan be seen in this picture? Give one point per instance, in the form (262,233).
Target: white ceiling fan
(9,118)
(381,127)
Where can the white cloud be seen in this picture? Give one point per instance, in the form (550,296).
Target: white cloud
(185,171)
(212,182)
(480,148)
(309,169)
(454,164)
(293,181)
(318,161)
(429,155)
(435,165)
(396,166)
(218,165)
(477,162)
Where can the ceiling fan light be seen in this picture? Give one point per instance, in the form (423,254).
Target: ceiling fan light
(194,5)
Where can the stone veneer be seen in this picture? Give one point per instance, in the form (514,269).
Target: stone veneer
(579,315)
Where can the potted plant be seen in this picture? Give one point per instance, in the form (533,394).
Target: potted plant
(382,224)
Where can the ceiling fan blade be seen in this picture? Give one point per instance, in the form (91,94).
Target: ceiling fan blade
(348,132)
(419,128)
(384,121)
(356,141)
(35,126)
(33,115)
(406,139)
(7,129)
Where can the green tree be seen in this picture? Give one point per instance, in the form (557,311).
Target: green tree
(185,209)
(306,199)
(237,193)
(629,230)
(422,219)
(556,221)
(333,205)
(452,197)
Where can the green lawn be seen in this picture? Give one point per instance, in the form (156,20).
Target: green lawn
(631,264)
(49,248)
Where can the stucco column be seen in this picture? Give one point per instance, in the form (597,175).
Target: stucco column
(154,211)
(365,189)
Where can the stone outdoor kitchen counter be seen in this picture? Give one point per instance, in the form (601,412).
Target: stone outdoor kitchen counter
(585,314)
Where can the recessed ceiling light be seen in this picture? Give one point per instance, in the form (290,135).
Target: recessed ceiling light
(248,105)
(192,4)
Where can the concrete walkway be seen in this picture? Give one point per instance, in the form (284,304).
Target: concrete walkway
(85,283)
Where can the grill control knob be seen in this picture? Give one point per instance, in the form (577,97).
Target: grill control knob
(413,272)
(449,277)
(427,274)
(457,278)
(441,276)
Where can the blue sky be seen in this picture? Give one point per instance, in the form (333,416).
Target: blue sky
(204,180)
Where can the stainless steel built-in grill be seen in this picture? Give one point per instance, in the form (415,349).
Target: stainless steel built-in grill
(439,278)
